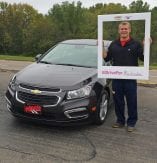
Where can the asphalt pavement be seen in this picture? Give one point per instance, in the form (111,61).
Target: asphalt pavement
(22,142)
(15,66)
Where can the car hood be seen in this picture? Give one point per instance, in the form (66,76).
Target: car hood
(64,77)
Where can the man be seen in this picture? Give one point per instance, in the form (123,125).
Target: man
(125,51)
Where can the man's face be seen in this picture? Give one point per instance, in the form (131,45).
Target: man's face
(124,31)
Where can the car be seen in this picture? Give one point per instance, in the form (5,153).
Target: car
(62,86)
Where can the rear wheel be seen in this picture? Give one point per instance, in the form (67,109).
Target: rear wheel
(102,108)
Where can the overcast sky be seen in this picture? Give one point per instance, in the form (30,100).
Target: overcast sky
(44,5)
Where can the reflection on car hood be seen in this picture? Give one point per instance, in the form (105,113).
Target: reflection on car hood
(65,77)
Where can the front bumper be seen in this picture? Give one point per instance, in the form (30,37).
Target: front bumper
(66,112)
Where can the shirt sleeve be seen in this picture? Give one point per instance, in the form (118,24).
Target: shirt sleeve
(140,52)
(109,55)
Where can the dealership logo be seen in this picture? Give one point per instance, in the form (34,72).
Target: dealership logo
(34,112)
(32,109)
(118,18)
(127,17)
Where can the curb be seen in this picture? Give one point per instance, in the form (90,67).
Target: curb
(7,70)
(147,84)
(139,83)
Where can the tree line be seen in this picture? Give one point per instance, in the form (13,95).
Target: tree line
(25,31)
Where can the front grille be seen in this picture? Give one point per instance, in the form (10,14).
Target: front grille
(40,88)
(37,99)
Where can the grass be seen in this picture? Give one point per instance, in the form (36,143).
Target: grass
(153,67)
(16,58)
(24,58)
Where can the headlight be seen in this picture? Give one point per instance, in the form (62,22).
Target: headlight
(12,83)
(82,92)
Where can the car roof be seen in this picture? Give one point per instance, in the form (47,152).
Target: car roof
(85,42)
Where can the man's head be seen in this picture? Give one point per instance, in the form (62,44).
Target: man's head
(124,30)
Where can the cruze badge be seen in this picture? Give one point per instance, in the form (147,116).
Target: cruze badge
(35,91)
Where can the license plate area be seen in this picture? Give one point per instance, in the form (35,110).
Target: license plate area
(33,109)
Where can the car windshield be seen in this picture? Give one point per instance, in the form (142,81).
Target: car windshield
(72,54)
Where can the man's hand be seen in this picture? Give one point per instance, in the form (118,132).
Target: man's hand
(104,53)
(150,40)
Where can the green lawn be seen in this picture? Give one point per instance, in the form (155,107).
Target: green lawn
(16,58)
(24,58)
(153,67)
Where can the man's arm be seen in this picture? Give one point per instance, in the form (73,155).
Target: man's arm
(107,55)
(104,53)
(140,50)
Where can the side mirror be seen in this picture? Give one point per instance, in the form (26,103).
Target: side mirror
(37,57)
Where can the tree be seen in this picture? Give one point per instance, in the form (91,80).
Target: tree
(138,26)
(5,39)
(154,36)
(24,31)
(67,19)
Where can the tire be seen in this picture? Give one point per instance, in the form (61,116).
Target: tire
(102,108)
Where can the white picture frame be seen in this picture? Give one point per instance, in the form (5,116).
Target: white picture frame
(124,72)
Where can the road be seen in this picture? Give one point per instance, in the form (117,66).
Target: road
(22,142)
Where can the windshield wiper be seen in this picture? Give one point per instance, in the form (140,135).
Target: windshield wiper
(90,66)
(45,62)
(68,64)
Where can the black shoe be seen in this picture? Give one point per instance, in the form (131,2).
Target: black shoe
(117,125)
(130,129)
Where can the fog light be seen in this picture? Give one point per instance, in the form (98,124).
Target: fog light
(76,113)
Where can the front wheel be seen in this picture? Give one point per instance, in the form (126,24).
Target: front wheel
(102,108)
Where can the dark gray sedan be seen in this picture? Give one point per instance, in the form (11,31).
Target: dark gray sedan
(61,87)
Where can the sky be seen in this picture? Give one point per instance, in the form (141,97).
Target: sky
(44,5)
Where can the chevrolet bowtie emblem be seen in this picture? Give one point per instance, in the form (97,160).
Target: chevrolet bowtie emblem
(36,91)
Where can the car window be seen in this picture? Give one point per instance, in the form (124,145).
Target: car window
(83,55)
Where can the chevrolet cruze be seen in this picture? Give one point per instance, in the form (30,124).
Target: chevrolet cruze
(62,86)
